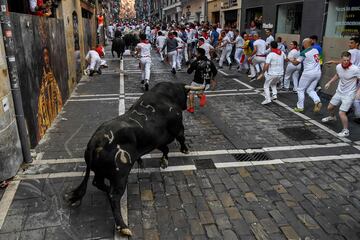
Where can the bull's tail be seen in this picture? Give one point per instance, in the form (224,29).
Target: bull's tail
(80,191)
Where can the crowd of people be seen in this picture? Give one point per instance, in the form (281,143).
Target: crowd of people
(292,67)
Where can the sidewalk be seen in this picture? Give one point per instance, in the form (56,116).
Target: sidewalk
(254,171)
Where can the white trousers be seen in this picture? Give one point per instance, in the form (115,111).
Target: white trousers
(161,53)
(179,57)
(172,58)
(238,54)
(292,74)
(271,81)
(145,63)
(258,63)
(95,64)
(308,82)
(226,52)
(186,55)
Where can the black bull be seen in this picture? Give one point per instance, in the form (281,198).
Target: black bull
(153,122)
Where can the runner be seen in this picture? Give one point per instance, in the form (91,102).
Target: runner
(160,42)
(226,47)
(258,56)
(345,93)
(239,44)
(144,50)
(171,45)
(292,71)
(310,76)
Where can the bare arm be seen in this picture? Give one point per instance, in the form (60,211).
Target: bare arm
(333,79)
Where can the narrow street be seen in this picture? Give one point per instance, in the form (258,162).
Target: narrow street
(253,172)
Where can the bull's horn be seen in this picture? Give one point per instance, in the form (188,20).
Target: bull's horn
(194,88)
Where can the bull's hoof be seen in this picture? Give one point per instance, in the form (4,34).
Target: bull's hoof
(124,231)
(164,163)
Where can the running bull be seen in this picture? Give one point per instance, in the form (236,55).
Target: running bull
(153,122)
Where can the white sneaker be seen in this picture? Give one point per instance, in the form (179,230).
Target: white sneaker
(344,133)
(328,119)
(266,102)
(251,76)
(274,97)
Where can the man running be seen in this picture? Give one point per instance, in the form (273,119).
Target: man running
(345,93)
(258,56)
(226,47)
(292,72)
(160,42)
(171,45)
(206,46)
(310,76)
(273,71)
(144,50)
(205,71)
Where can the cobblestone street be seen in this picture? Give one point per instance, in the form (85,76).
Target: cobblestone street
(253,172)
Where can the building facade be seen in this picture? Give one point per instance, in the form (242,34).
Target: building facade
(333,21)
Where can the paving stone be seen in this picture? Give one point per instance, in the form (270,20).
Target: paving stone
(210,195)
(243,172)
(206,217)
(347,232)
(325,224)
(212,231)
(290,233)
(151,234)
(186,197)
(289,200)
(196,228)
(32,234)
(222,221)
(259,232)
(251,197)
(201,204)
(216,207)
(147,195)
(249,216)
(190,211)
(285,183)
(279,219)
(229,235)
(226,200)
(279,189)
(269,225)
(179,218)
(317,191)
(220,188)
(174,202)
(308,221)
(233,213)
(349,221)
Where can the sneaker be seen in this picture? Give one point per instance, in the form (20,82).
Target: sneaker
(99,71)
(179,69)
(230,65)
(318,89)
(220,67)
(344,133)
(299,110)
(317,107)
(190,110)
(238,67)
(274,97)
(203,100)
(142,81)
(173,71)
(251,76)
(328,119)
(265,102)
(147,86)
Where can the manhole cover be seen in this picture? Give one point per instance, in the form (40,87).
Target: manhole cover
(247,157)
(298,133)
(204,164)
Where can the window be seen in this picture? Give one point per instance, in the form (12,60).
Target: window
(289,18)
(343,18)
(253,21)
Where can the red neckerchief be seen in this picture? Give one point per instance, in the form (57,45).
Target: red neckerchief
(346,67)
(205,35)
(145,41)
(277,51)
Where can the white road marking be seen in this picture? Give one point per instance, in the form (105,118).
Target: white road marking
(224,73)
(244,84)
(192,167)
(7,199)
(93,99)
(94,95)
(70,138)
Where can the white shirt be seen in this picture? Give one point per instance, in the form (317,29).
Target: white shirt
(160,41)
(311,60)
(281,46)
(293,54)
(92,55)
(260,46)
(225,43)
(239,41)
(147,30)
(276,62)
(207,47)
(269,39)
(145,49)
(181,43)
(355,56)
(348,79)
(230,34)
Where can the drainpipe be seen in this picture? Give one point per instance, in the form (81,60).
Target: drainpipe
(14,79)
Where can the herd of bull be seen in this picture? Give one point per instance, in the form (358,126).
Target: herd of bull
(153,122)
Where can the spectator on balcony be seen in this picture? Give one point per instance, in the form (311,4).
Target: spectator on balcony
(40,7)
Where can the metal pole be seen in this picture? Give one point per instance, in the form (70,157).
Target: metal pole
(14,80)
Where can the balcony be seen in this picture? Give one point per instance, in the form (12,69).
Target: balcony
(229,4)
